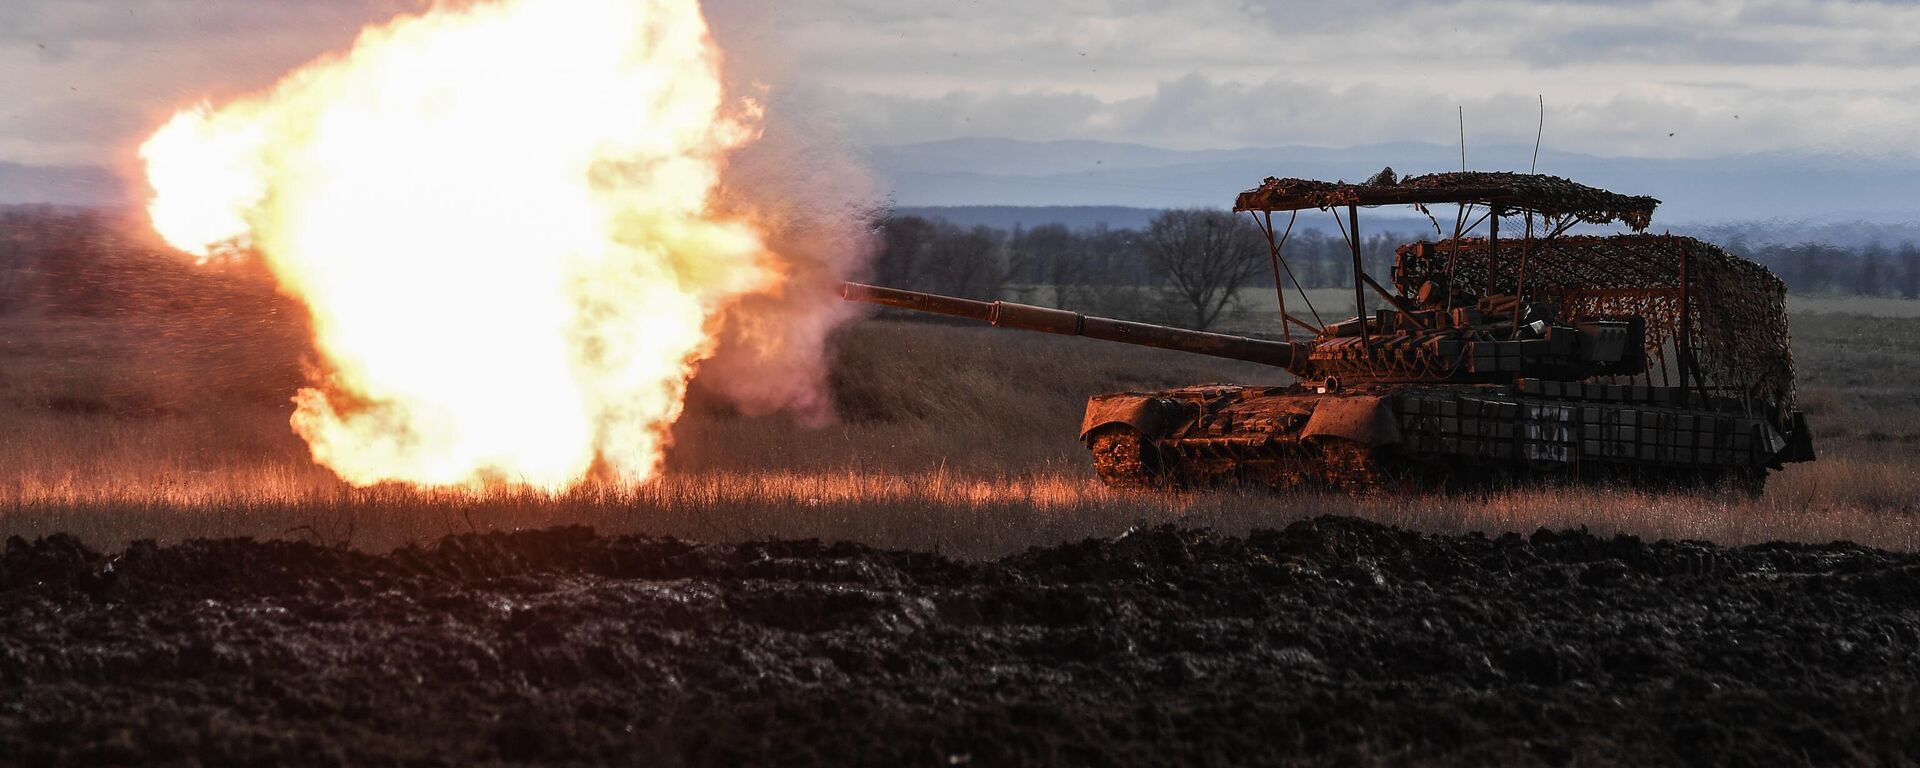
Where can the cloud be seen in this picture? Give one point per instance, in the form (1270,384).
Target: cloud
(79,120)
(1193,112)
(1617,77)
(1663,32)
(151,22)
(1774,75)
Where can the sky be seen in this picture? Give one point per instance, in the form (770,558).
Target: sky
(83,81)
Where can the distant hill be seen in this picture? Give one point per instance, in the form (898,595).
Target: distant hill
(1779,197)
(1006,217)
(1798,188)
(1010,216)
(61,185)
(1845,234)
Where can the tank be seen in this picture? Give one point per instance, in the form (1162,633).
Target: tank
(1660,361)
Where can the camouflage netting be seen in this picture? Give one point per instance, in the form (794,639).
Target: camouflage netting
(1514,193)
(1739,331)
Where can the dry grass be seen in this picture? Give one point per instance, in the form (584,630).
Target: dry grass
(955,439)
(1873,306)
(935,510)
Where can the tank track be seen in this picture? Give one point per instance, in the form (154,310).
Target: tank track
(1123,458)
(1440,439)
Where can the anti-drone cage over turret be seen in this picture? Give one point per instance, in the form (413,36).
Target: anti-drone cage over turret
(1722,317)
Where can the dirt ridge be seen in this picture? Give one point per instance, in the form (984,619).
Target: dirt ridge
(1332,640)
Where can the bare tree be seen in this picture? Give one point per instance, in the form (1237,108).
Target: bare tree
(1049,255)
(964,262)
(1205,256)
(1873,276)
(1909,271)
(935,255)
(904,240)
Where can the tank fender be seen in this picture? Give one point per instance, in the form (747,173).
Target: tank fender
(1364,420)
(1773,445)
(1153,416)
(1799,439)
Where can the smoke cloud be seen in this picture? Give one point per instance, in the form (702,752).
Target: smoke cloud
(815,199)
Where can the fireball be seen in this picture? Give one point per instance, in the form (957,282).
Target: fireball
(501,218)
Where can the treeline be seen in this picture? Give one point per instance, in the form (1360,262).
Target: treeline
(1810,268)
(979,261)
(1053,262)
(75,262)
(1185,267)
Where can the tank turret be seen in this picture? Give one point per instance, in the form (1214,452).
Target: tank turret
(1485,341)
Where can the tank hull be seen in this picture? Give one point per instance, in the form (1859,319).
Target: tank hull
(1429,437)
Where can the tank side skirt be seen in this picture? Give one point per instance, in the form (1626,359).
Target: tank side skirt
(1262,436)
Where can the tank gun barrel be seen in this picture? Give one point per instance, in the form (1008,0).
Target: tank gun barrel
(1006,314)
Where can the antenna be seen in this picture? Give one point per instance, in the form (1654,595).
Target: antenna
(1463,137)
(1537,133)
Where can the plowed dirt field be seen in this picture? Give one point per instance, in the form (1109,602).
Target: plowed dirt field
(1332,641)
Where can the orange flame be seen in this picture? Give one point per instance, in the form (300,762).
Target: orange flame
(501,218)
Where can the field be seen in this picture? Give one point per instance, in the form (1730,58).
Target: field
(1334,641)
(173,424)
(989,602)
(950,438)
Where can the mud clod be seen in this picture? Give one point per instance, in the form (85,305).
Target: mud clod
(1333,640)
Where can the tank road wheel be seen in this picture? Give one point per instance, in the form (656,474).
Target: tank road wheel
(1125,459)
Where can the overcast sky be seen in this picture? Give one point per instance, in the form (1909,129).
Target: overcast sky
(82,81)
